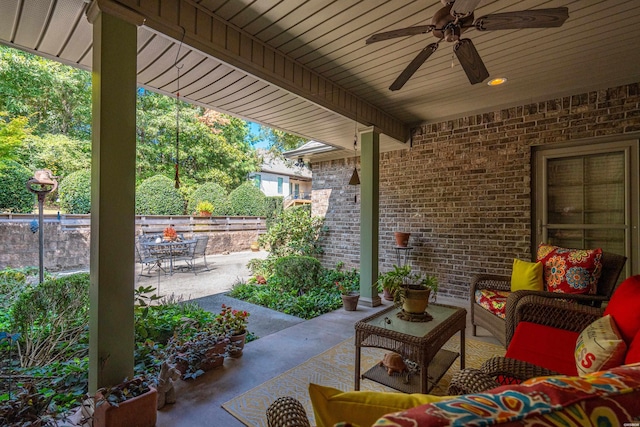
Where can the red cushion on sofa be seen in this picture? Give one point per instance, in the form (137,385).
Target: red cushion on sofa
(544,346)
(633,351)
(624,307)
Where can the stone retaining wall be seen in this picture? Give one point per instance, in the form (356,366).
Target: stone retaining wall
(66,249)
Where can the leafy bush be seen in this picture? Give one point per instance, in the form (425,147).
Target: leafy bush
(295,232)
(52,318)
(158,196)
(321,298)
(14,282)
(213,193)
(14,196)
(296,273)
(274,207)
(247,200)
(75,192)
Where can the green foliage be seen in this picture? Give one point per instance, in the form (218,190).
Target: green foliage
(52,319)
(280,141)
(295,232)
(55,97)
(322,297)
(213,147)
(210,192)
(296,273)
(158,196)
(12,134)
(274,205)
(75,192)
(14,282)
(247,200)
(14,196)
(262,267)
(59,153)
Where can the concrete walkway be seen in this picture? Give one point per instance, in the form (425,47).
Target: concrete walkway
(208,289)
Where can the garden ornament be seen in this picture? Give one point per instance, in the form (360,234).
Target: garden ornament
(166,390)
(394,363)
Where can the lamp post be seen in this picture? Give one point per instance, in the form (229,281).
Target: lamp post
(42,184)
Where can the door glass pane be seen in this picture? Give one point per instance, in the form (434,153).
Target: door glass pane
(609,240)
(586,190)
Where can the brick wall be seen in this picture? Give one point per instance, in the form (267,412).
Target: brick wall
(464,190)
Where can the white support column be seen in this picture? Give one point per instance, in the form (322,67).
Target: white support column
(112,262)
(369,216)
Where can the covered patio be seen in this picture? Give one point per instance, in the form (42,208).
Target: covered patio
(305,68)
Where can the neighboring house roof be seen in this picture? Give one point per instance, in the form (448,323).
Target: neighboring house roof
(282,166)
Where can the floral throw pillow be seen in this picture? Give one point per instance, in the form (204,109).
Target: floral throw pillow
(571,271)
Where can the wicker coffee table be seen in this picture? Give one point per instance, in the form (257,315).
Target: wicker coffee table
(419,342)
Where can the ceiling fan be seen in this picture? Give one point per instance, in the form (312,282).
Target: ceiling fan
(456,17)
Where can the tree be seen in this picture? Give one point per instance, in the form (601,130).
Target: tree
(280,141)
(55,97)
(157,196)
(212,147)
(12,134)
(247,200)
(59,153)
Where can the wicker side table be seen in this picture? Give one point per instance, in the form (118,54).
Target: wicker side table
(420,342)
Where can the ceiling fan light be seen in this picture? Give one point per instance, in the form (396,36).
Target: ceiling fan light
(497,81)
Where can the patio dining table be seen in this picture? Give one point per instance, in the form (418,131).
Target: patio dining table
(169,250)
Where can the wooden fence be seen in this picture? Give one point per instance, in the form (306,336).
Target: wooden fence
(152,223)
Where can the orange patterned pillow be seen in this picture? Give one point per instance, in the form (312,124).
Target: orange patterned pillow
(571,271)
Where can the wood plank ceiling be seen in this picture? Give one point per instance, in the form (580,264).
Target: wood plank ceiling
(594,49)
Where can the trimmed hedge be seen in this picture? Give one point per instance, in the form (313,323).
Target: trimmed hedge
(14,196)
(213,193)
(247,200)
(158,196)
(75,192)
(274,205)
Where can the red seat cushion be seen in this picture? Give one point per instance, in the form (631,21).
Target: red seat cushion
(544,346)
(633,351)
(624,307)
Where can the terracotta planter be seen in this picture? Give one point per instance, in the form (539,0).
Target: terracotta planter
(415,299)
(139,411)
(402,239)
(387,295)
(350,302)
(237,342)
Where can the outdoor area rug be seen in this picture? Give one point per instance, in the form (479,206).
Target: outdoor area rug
(335,368)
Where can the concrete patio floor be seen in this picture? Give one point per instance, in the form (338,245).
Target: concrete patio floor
(285,341)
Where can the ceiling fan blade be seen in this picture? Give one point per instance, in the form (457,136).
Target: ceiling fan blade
(536,18)
(463,8)
(413,66)
(402,32)
(470,61)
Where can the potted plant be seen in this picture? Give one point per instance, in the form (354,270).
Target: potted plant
(411,290)
(194,354)
(170,234)
(233,325)
(204,208)
(349,294)
(130,403)
(390,281)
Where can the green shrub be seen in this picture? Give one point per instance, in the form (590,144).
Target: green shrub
(213,193)
(158,196)
(274,207)
(52,318)
(296,273)
(295,232)
(247,200)
(75,192)
(14,196)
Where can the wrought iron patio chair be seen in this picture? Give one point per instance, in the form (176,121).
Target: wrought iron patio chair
(195,250)
(146,260)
